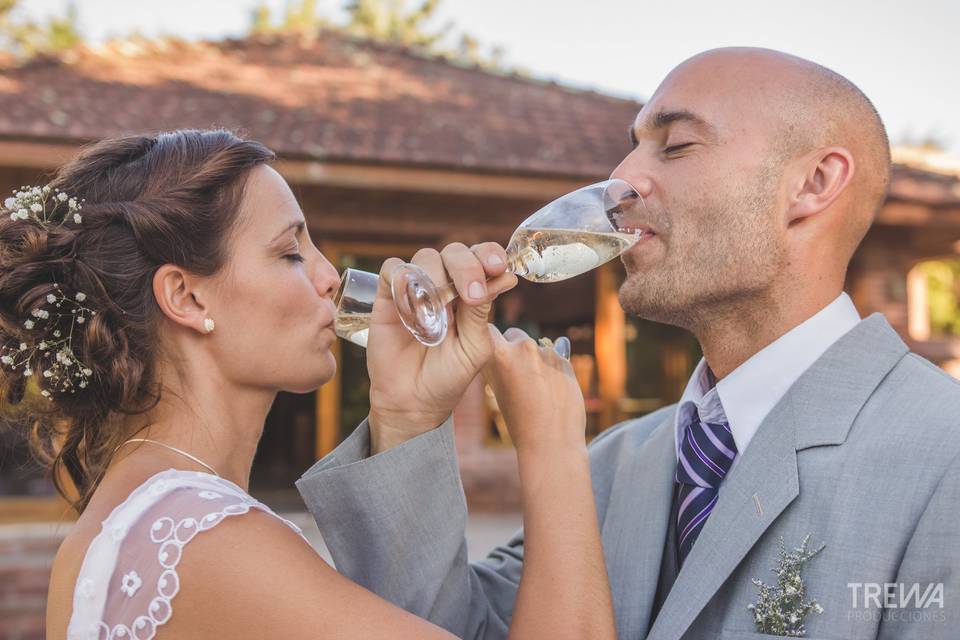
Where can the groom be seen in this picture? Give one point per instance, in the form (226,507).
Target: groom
(761,173)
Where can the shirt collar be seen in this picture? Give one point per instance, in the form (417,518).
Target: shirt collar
(749,392)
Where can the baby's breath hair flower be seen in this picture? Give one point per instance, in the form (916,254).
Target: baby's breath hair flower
(49,207)
(53,356)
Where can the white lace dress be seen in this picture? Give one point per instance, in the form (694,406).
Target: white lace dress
(129,580)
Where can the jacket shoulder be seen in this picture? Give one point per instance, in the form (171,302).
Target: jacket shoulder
(917,404)
(635,430)
(923,386)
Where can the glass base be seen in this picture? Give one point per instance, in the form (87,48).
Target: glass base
(419,304)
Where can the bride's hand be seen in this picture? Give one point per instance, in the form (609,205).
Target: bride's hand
(414,388)
(537,392)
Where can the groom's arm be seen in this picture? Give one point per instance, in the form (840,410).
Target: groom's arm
(395,523)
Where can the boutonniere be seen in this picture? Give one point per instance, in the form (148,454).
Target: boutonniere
(781,608)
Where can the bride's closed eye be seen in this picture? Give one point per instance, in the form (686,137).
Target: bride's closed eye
(294,257)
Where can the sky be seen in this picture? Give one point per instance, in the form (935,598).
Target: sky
(899,53)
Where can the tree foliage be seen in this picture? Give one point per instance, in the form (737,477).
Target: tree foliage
(23,36)
(384,21)
(943,295)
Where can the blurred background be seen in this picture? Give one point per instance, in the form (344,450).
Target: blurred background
(401,125)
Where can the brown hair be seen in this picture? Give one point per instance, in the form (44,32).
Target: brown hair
(148,201)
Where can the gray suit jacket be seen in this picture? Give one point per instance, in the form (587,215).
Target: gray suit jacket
(861,453)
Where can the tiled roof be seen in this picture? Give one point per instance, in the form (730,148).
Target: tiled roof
(333,98)
(926,175)
(341,99)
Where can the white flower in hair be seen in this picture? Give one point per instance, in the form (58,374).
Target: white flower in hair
(43,204)
(49,351)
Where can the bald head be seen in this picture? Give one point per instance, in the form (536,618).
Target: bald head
(809,107)
(761,172)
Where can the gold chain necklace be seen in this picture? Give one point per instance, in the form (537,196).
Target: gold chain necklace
(171,448)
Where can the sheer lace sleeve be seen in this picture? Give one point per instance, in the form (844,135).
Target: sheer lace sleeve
(128,581)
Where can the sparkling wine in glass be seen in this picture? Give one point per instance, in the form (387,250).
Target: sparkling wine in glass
(354,300)
(571,235)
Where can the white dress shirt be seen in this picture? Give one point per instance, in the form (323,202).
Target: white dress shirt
(749,392)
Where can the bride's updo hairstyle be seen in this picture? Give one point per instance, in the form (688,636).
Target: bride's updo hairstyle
(78,317)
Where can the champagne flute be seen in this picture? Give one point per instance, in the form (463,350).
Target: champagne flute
(571,235)
(354,301)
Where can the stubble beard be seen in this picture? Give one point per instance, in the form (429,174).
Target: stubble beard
(721,270)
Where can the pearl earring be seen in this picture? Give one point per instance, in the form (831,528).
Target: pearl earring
(208,324)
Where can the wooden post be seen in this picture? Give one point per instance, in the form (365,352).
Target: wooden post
(328,411)
(610,345)
(918,306)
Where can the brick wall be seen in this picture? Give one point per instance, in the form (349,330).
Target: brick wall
(26,553)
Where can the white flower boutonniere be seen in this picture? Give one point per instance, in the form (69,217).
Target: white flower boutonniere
(781,609)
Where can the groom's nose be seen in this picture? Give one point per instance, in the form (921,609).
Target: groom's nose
(635,170)
(638,179)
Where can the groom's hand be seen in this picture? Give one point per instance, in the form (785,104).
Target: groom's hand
(414,388)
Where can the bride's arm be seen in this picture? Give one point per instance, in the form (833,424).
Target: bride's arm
(564,591)
(251,577)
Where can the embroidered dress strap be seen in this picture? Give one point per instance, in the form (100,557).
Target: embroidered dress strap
(128,580)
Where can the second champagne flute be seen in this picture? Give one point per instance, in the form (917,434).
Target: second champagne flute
(355,299)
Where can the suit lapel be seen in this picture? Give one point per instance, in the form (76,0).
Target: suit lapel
(767,468)
(818,409)
(635,525)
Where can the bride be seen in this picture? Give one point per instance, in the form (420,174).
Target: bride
(154,298)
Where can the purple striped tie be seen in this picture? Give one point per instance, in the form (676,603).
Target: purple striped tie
(706,454)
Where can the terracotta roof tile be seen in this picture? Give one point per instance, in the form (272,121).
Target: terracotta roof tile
(334,98)
(339,98)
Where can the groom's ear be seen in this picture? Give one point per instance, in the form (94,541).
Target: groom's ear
(824,175)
